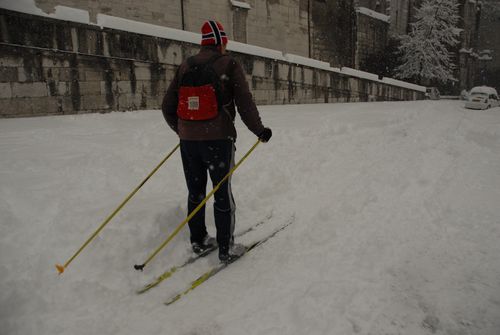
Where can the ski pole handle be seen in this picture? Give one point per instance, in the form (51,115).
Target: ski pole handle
(60,268)
(193,213)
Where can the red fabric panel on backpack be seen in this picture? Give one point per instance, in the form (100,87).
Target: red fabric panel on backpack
(197,103)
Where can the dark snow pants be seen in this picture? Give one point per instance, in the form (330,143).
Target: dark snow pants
(216,157)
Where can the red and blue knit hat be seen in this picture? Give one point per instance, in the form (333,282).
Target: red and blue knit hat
(212,33)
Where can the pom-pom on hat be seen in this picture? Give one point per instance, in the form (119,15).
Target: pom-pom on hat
(212,33)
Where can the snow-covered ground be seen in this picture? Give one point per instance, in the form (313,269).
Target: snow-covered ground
(396,226)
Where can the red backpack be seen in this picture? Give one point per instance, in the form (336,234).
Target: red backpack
(200,91)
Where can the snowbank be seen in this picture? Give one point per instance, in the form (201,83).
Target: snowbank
(396,225)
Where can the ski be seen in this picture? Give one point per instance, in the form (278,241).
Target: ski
(167,274)
(216,269)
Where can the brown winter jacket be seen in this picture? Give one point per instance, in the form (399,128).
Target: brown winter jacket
(235,91)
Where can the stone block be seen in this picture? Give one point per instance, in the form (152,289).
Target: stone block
(354,84)
(11,61)
(142,73)
(94,75)
(45,106)
(30,74)
(51,73)
(104,85)
(124,86)
(153,102)
(135,101)
(129,102)
(94,42)
(122,102)
(143,87)
(8,74)
(170,54)
(120,73)
(36,89)
(81,73)
(14,108)
(268,84)
(54,62)
(259,68)
(5,91)
(89,87)
(308,76)
(63,88)
(21,75)
(261,97)
(170,73)
(65,74)
(66,104)
(94,103)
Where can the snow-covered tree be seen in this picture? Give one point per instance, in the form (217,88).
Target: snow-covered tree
(426,49)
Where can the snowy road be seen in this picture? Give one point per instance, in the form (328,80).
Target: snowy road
(396,231)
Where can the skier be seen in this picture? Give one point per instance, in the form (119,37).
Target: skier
(200,107)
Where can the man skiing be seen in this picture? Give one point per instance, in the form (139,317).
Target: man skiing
(200,107)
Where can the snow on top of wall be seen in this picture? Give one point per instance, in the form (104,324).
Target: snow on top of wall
(240,4)
(357,73)
(295,59)
(404,84)
(373,77)
(113,22)
(61,12)
(373,14)
(118,23)
(72,14)
(255,50)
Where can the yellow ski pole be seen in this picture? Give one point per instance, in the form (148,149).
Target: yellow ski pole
(61,268)
(193,213)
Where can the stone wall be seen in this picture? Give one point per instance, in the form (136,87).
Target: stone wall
(53,67)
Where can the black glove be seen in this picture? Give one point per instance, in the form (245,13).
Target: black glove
(265,135)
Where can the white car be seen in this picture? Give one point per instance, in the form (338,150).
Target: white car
(482,97)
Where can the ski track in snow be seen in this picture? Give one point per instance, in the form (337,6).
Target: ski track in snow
(396,228)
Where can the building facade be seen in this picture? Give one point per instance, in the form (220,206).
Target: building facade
(320,29)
